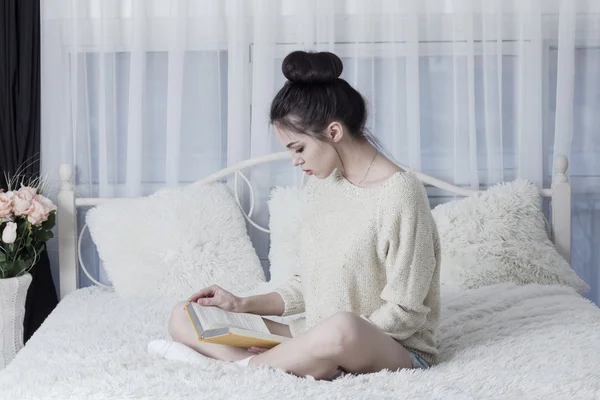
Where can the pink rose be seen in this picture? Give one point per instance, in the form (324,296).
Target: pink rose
(41,207)
(21,203)
(46,202)
(9,235)
(28,192)
(6,204)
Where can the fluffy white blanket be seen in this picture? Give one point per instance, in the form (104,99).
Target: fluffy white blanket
(503,341)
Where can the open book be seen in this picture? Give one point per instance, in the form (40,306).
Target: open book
(214,325)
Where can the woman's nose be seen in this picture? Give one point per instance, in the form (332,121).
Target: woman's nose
(296,161)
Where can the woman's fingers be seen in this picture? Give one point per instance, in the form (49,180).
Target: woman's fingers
(206,292)
(257,350)
(206,301)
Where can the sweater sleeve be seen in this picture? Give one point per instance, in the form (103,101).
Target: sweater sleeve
(409,244)
(291,293)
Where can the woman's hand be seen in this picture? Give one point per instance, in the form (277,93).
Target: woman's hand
(215,296)
(257,350)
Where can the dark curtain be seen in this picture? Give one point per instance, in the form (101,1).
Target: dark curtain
(20,127)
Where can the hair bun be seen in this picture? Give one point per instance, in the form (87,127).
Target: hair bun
(311,67)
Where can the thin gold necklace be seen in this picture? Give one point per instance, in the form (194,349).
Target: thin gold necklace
(372,163)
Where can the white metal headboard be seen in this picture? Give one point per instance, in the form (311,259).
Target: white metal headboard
(69,241)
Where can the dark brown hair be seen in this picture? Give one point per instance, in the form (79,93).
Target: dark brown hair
(314,96)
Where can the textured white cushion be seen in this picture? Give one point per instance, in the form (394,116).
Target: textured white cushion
(285,220)
(175,242)
(499,236)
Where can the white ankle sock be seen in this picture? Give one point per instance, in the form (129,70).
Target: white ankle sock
(175,351)
(243,362)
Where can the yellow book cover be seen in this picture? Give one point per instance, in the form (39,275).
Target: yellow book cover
(213,325)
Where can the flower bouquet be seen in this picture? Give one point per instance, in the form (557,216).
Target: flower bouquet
(26,220)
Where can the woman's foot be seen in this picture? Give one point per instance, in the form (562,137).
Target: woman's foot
(175,351)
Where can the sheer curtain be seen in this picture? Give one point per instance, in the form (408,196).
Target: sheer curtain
(142,94)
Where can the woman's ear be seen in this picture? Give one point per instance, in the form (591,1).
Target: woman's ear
(335,131)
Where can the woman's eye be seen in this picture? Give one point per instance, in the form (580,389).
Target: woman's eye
(300,150)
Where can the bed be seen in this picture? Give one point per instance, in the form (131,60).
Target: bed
(504,340)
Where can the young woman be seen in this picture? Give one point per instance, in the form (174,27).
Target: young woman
(370,254)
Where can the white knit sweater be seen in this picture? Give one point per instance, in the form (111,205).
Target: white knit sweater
(371,251)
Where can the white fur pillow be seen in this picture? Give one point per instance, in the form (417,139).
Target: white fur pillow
(499,236)
(285,221)
(175,242)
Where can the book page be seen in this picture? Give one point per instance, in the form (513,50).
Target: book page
(214,317)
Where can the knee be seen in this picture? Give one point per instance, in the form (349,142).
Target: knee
(176,321)
(336,335)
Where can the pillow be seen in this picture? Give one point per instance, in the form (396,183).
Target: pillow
(175,242)
(499,236)
(285,220)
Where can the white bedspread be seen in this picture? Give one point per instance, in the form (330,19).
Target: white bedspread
(503,341)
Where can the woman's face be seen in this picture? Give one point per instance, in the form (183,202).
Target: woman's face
(315,157)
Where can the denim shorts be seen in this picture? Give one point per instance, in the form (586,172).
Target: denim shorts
(417,361)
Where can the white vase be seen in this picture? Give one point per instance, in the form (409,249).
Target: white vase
(13,293)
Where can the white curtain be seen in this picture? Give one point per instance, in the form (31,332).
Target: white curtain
(139,94)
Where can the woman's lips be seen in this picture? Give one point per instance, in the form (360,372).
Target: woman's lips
(308,172)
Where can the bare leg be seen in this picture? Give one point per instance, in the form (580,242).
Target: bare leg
(181,330)
(343,341)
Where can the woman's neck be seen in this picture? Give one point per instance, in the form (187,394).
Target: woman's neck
(357,159)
